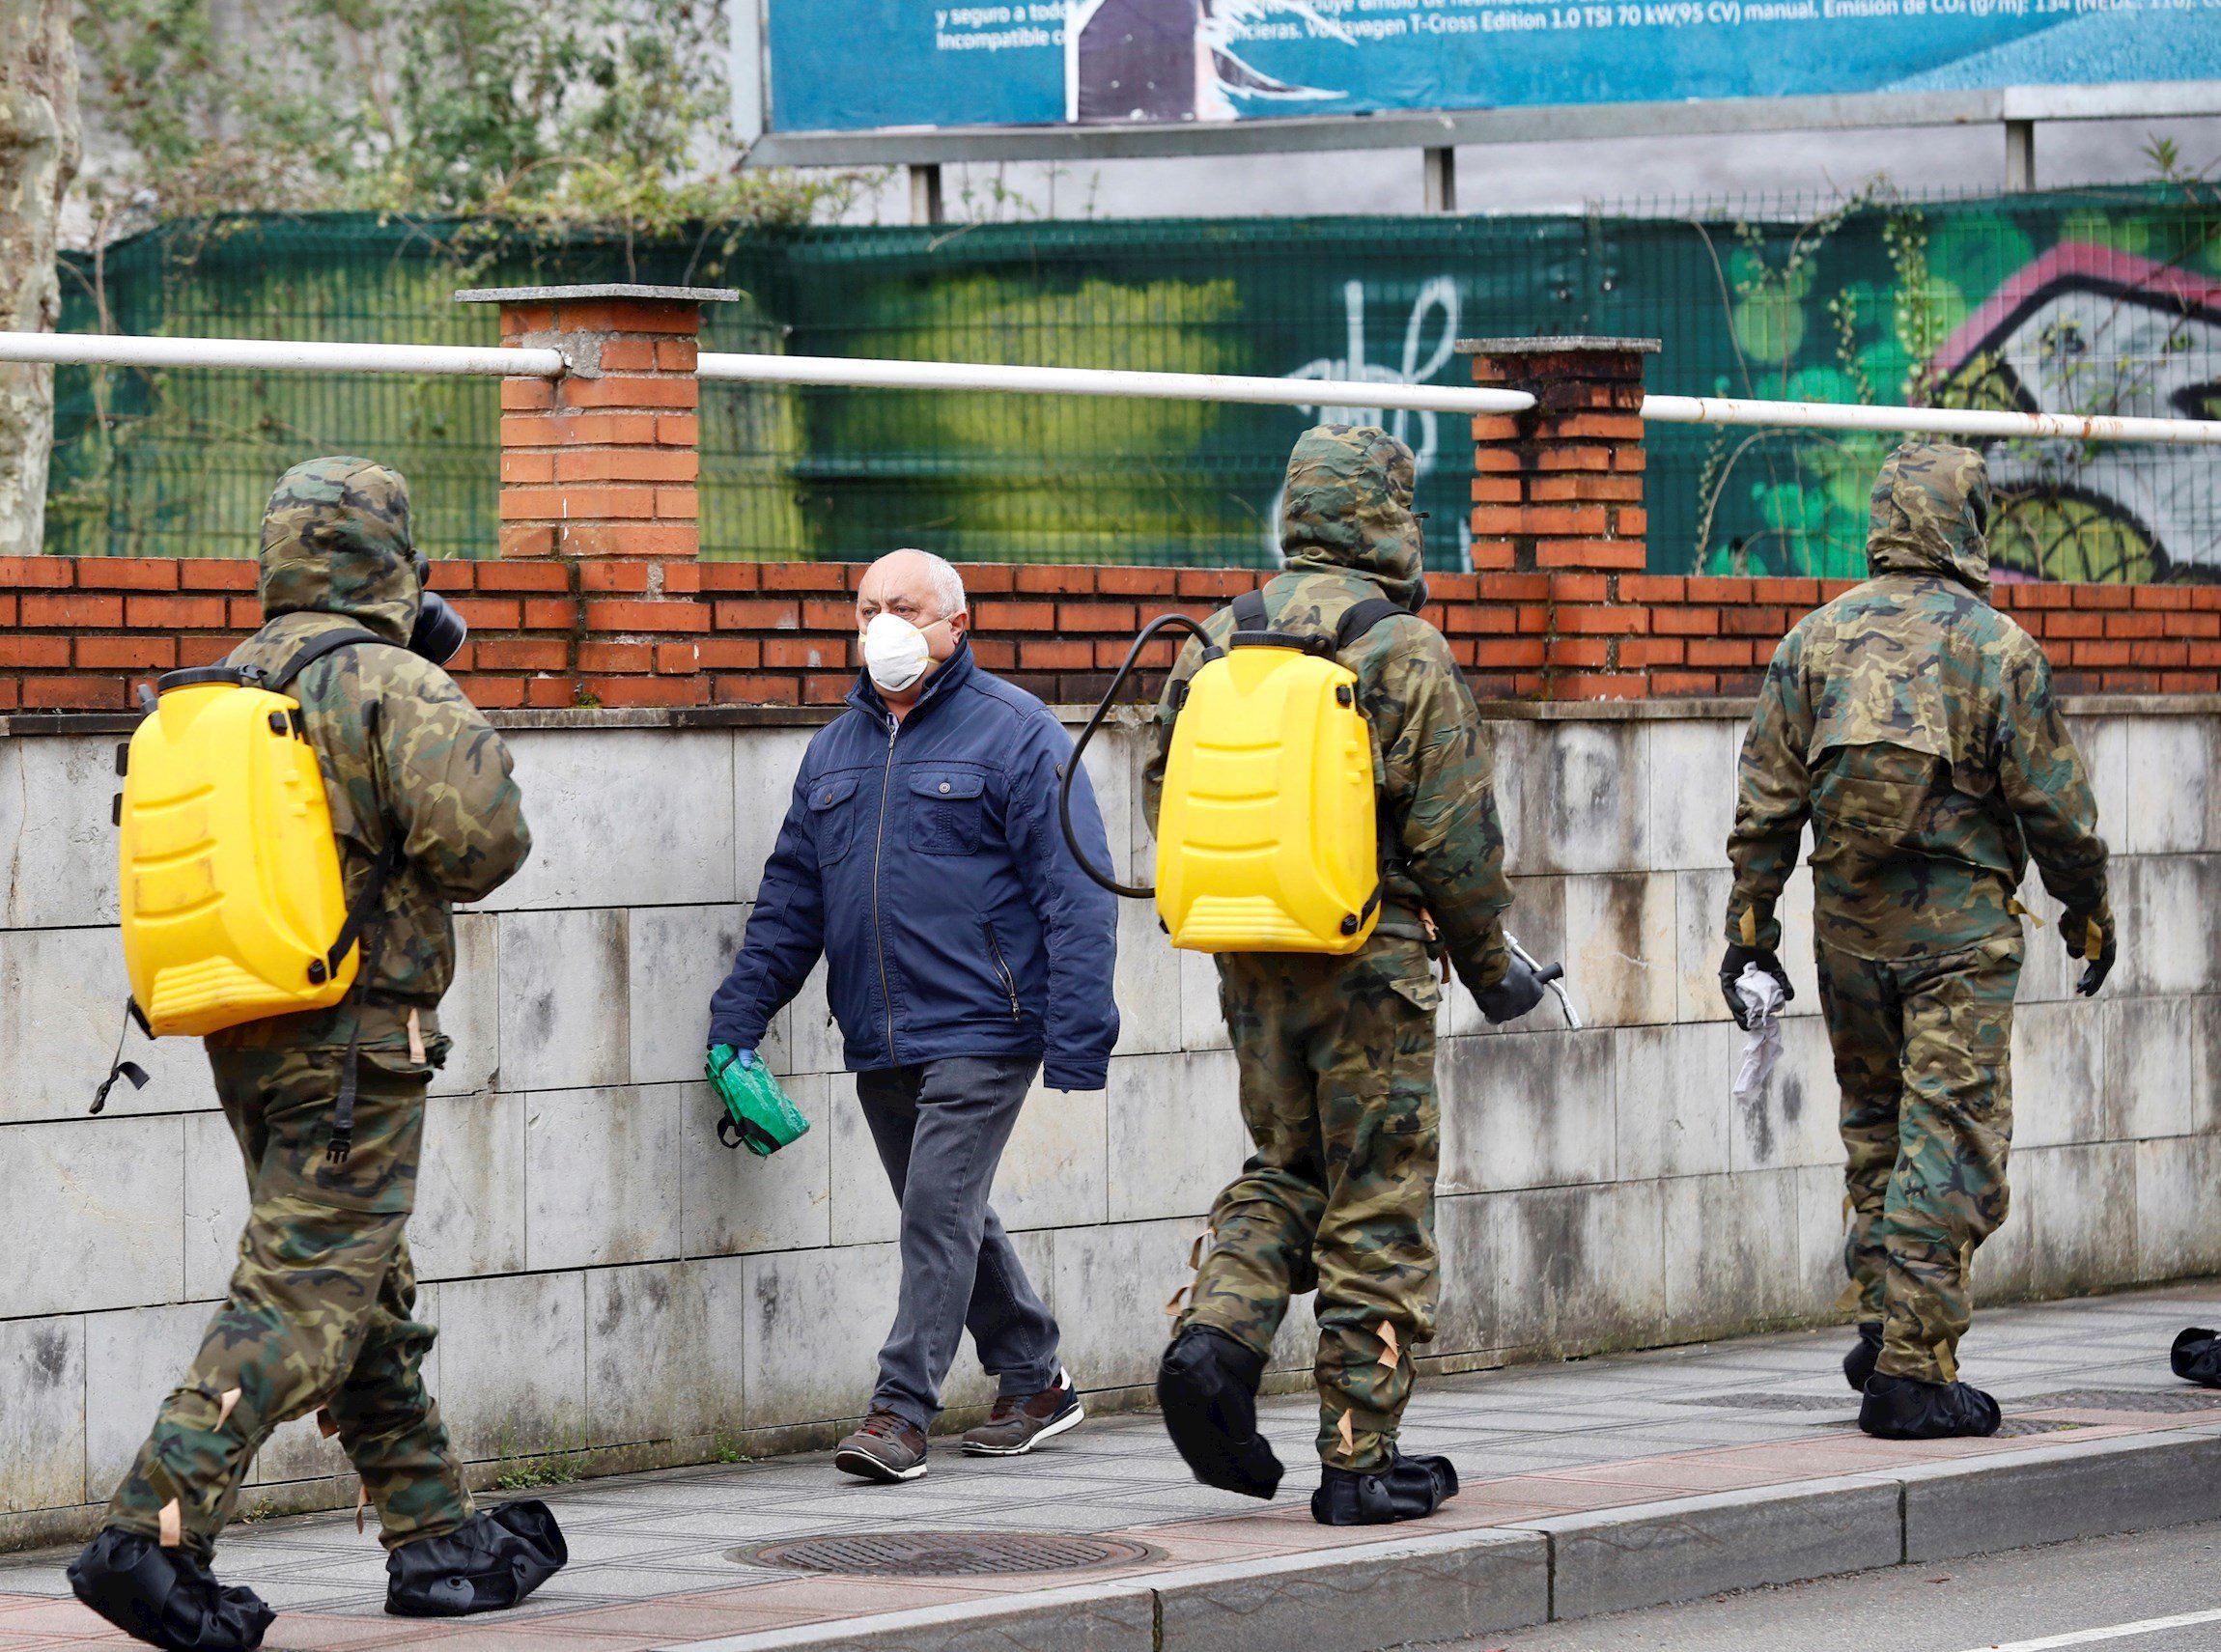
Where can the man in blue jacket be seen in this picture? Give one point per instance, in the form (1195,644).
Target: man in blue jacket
(965,949)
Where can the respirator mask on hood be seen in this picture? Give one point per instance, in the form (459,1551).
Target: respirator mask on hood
(440,630)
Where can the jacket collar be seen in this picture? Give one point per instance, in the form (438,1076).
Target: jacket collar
(946,679)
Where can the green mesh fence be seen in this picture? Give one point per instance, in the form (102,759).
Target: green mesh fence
(2088,301)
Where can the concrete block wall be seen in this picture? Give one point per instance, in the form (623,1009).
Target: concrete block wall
(614,1289)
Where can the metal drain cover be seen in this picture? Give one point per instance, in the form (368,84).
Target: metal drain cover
(943,1554)
(2149,1401)
(2015,1427)
(1767,1399)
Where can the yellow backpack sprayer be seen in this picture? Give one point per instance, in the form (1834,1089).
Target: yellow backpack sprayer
(228,871)
(1268,836)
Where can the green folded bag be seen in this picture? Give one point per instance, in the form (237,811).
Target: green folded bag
(758,1115)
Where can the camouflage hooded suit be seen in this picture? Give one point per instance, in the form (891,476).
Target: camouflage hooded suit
(1915,727)
(1336,1053)
(319,1314)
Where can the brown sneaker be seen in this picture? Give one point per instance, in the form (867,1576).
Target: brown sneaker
(1018,1424)
(884,1448)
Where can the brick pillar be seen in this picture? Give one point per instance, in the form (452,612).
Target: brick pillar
(597,475)
(1558,491)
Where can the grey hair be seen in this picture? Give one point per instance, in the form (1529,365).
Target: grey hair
(947,584)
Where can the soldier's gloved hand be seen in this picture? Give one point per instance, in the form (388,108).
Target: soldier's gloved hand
(1511,997)
(2093,940)
(1731,968)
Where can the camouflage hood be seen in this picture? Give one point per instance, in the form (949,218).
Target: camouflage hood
(1931,514)
(336,540)
(1347,505)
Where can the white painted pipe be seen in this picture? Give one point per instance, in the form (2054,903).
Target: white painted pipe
(864,373)
(108,349)
(1928,421)
(111,349)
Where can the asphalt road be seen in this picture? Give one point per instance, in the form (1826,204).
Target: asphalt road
(2114,1592)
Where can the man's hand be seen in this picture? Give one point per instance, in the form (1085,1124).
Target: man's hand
(724,1055)
(1511,997)
(2093,940)
(1731,968)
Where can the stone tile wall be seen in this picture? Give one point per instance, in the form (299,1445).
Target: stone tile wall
(615,1288)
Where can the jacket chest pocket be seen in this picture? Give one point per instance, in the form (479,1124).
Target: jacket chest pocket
(944,811)
(833,817)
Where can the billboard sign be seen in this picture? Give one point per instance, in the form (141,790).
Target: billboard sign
(851,66)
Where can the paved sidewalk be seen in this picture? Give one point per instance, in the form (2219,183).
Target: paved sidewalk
(652,1561)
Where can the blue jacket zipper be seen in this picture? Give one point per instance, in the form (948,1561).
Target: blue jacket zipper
(1009,982)
(878,857)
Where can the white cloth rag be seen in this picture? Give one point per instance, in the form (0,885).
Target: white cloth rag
(1761,996)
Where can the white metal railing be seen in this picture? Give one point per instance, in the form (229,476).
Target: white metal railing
(112,349)
(102,349)
(887,375)
(1928,421)
(107,349)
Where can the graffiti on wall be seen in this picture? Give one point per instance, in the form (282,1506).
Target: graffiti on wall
(2090,301)
(2119,314)
(1429,346)
(2094,329)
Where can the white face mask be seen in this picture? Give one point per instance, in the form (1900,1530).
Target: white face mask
(894,652)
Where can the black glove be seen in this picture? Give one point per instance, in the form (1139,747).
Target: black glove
(1519,992)
(2079,930)
(1732,972)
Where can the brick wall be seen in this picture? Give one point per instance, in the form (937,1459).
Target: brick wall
(1714,637)
(598,486)
(78,634)
(597,598)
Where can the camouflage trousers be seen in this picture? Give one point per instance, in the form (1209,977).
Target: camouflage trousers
(318,1318)
(1336,1058)
(1924,1054)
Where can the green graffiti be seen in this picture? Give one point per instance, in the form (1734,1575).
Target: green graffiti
(2092,301)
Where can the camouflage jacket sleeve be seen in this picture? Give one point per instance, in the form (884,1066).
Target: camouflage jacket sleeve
(2042,781)
(445,779)
(1441,788)
(1773,798)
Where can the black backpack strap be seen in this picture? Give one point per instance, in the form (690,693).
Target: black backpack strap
(315,649)
(1358,618)
(360,911)
(1356,624)
(118,1067)
(1254,629)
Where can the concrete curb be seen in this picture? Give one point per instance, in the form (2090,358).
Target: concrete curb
(1459,1583)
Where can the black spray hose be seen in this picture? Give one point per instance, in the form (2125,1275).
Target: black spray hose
(1079,746)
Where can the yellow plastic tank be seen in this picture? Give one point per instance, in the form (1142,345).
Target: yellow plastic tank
(229,872)
(1266,834)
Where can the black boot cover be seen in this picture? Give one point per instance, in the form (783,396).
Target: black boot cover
(2197,1356)
(1207,1386)
(488,1563)
(1859,1362)
(1902,1408)
(1409,1488)
(166,1597)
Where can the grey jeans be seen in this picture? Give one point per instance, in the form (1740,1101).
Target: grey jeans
(941,1128)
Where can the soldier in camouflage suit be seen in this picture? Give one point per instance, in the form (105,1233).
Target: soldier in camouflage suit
(1336,1053)
(1915,727)
(319,1314)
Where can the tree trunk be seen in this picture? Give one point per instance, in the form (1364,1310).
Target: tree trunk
(38,154)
